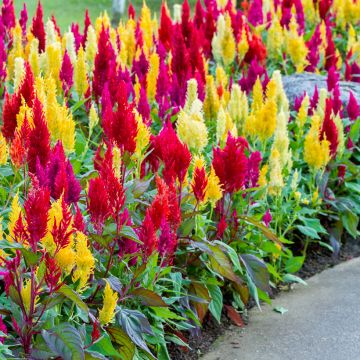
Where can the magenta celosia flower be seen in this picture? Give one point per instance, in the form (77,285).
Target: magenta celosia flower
(352,72)
(58,175)
(143,106)
(3,329)
(77,36)
(231,164)
(221,227)
(167,242)
(253,168)
(336,100)
(87,23)
(255,14)
(331,58)
(332,78)
(255,70)
(66,73)
(314,100)
(56,26)
(353,108)
(267,218)
(36,207)
(313,56)
(23,19)
(3,59)
(37,27)
(324,8)
(180,62)
(8,14)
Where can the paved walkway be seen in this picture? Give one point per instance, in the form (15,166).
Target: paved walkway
(322,323)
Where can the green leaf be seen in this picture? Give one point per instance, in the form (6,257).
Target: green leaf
(30,258)
(281,310)
(234,257)
(308,231)
(73,296)
(65,341)
(166,313)
(126,346)
(355,131)
(290,278)
(353,186)
(257,271)
(314,224)
(294,264)
(105,347)
(5,244)
(216,303)
(129,233)
(91,355)
(148,297)
(350,222)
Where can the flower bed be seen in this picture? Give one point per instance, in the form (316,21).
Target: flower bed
(149,170)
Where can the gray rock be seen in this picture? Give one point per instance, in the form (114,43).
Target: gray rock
(295,85)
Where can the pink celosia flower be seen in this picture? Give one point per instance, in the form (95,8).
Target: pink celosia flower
(66,73)
(37,27)
(353,108)
(267,218)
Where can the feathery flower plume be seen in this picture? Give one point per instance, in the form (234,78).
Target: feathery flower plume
(107,313)
(66,73)
(199,181)
(353,108)
(37,27)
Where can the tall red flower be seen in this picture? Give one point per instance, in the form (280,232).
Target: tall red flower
(329,129)
(37,28)
(231,164)
(36,208)
(167,242)
(66,73)
(147,235)
(353,108)
(199,183)
(159,208)
(98,203)
(39,138)
(166,27)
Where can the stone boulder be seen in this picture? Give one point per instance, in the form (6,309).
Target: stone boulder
(295,85)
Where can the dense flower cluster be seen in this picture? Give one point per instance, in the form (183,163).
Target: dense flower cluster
(140,161)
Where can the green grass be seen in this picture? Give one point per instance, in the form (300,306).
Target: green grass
(68,11)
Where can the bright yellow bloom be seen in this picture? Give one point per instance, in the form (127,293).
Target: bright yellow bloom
(341,136)
(107,313)
(65,259)
(116,161)
(213,189)
(276,182)
(146,27)
(303,112)
(243,46)
(3,150)
(50,33)
(53,62)
(34,56)
(258,97)
(296,47)
(66,129)
(265,120)
(316,151)
(262,176)
(15,212)
(84,260)
(191,94)
(223,42)
(224,124)
(80,75)
(212,101)
(142,137)
(25,110)
(238,106)
(152,76)
(16,50)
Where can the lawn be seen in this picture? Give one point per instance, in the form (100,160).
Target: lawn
(68,11)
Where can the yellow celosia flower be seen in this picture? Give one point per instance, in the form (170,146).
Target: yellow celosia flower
(152,76)
(93,118)
(142,137)
(265,120)
(116,161)
(282,101)
(213,191)
(3,150)
(50,33)
(65,259)
(53,62)
(16,50)
(243,46)
(224,124)
(262,176)
(238,106)
(84,260)
(69,45)
(19,72)
(258,97)
(275,38)
(107,313)
(34,56)
(91,47)
(191,94)
(303,113)
(296,47)
(66,129)
(80,75)
(212,101)
(25,110)
(276,182)
(146,27)
(15,212)
(316,151)
(223,42)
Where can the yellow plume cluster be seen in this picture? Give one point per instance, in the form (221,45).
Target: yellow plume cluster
(107,313)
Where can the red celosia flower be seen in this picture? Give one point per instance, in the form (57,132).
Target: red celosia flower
(199,15)
(98,203)
(257,50)
(87,23)
(166,27)
(57,29)
(174,216)
(38,27)
(199,183)
(79,223)
(159,209)
(332,78)
(329,129)
(341,173)
(66,73)
(231,164)
(267,218)
(186,23)
(147,235)
(253,168)
(39,138)
(10,109)
(131,11)
(331,58)
(52,274)
(353,108)
(324,7)
(120,126)
(36,208)
(175,155)
(221,227)
(180,62)
(95,333)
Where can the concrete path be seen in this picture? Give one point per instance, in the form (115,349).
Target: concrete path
(322,322)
